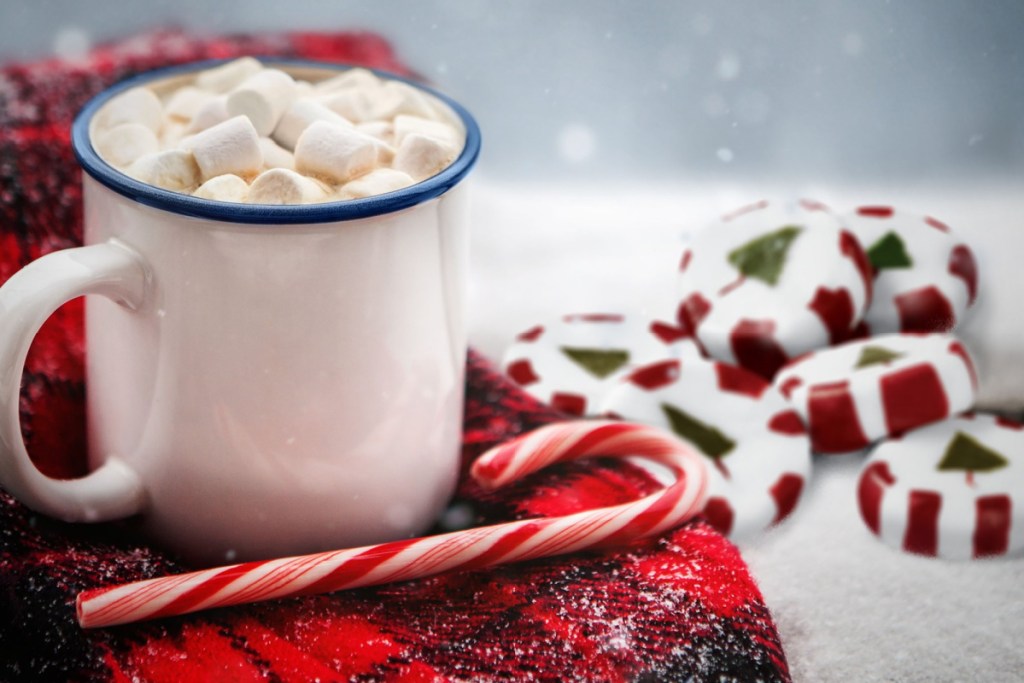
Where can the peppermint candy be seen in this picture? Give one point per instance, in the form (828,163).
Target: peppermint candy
(856,393)
(954,489)
(925,277)
(755,443)
(769,283)
(572,362)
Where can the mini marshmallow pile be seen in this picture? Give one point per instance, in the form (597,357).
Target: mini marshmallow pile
(241,132)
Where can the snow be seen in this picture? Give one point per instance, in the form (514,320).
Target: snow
(848,607)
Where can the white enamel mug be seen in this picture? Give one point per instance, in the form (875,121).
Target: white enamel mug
(262,380)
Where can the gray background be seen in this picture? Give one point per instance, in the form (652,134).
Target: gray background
(907,92)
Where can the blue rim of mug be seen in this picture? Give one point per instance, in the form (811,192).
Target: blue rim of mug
(268,214)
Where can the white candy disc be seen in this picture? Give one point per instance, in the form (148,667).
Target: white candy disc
(853,394)
(754,440)
(574,361)
(954,489)
(925,278)
(768,283)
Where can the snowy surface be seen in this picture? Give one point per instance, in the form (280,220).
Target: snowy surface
(848,608)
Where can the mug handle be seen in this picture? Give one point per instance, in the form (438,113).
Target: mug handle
(27,299)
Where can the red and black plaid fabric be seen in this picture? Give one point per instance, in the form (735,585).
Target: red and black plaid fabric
(679,608)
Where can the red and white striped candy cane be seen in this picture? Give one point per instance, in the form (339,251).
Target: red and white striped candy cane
(419,557)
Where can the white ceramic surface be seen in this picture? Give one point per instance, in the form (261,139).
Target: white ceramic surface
(272,389)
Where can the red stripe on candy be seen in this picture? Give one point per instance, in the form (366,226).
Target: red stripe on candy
(832,417)
(684,262)
(593,318)
(749,208)
(860,331)
(992,528)
(875,211)
(912,397)
(962,265)
(208,588)
(814,205)
(922,534)
(572,404)
(1008,423)
(692,312)
(719,514)
(787,422)
(925,310)
(937,224)
(504,545)
(531,334)
(753,343)
(786,492)
(668,333)
(592,440)
(834,307)
(958,349)
(521,372)
(356,568)
(851,249)
(646,520)
(791,383)
(739,381)
(875,479)
(655,375)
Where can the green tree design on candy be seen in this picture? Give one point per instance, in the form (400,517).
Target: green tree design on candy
(763,258)
(708,440)
(889,252)
(964,452)
(598,362)
(875,355)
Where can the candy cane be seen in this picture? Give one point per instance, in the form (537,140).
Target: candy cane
(420,557)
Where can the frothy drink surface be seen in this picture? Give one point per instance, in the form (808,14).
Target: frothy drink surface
(245,132)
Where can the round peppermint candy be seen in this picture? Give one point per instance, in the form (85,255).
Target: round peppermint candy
(856,393)
(755,442)
(925,277)
(768,283)
(572,362)
(954,489)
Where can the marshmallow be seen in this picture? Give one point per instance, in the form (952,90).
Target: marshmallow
(382,130)
(275,156)
(172,169)
(281,186)
(185,102)
(228,147)
(354,105)
(225,77)
(121,145)
(135,105)
(334,152)
(353,78)
(422,157)
(405,125)
(376,182)
(224,188)
(214,111)
(304,89)
(298,117)
(395,97)
(263,97)
(172,134)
